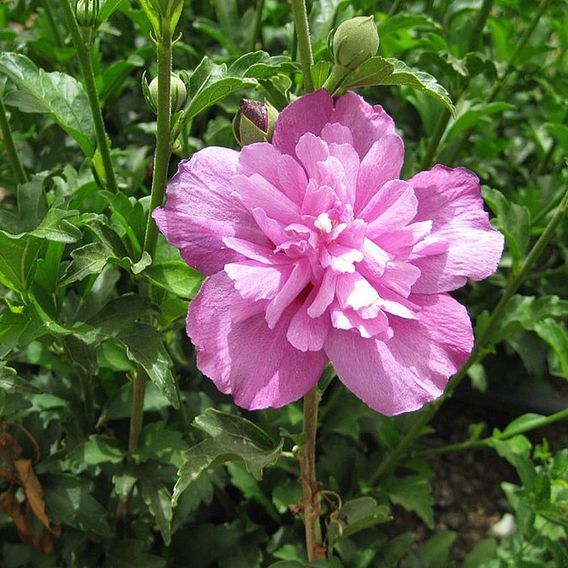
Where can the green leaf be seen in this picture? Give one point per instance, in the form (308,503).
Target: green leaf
(435,552)
(11,383)
(96,451)
(524,312)
(17,261)
(555,335)
(474,116)
(380,71)
(108,7)
(320,72)
(414,494)
(232,438)
(357,515)
(158,500)
(513,221)
(484,551)
(144,345)
(211,83)
(69,502)
(516,451)
(56,94)
(131,554)
(522,424)
(175,276)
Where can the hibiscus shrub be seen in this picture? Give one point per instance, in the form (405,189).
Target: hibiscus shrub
(158,330)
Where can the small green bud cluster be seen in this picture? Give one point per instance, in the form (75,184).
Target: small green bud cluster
(354,41)
(87,12)
(254,122)
(178,92)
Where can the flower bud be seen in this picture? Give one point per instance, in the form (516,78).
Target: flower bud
(254,122)
(86,12)
(178,92)
(355,41)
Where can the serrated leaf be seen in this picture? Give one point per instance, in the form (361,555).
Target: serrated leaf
(56,94)
(144,345)
(233,438)
(159,502)
(380,71)
(414,494)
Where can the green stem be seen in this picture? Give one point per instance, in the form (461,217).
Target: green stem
(162,156)
(486,442)
(480,345)
(257,24)
(435,139)
(308,479)
(482,16)
(137,415)
(304,43)
(500,83)
(89,79)
(10,146)
(162,153)
(338,74)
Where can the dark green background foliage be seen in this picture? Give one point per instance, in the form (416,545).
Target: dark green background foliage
(73,326)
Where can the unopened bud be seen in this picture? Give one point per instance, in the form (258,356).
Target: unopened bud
(86,12)
(178,92)
(355,41)
(254,122)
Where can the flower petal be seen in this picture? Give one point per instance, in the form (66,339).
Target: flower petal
(380,164)
(201,209)
(451,198)
(258,366)
(309,113)
(367,123)
(414,366)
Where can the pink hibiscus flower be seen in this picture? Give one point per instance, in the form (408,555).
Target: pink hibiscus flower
(315,250)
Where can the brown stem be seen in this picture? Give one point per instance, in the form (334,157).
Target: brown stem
(311,498)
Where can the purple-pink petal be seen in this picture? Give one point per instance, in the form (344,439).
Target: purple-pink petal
(316,250)
(255,364)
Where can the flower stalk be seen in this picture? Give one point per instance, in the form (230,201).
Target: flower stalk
(304,42)
(10,146)
(84,57)
(481,343)
(310,491)
(162,156)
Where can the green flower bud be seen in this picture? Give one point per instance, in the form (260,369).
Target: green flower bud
(355,41)
(178,92)
(254,122)
(86,12)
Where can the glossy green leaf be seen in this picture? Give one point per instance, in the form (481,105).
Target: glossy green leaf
(380,71)
(17,261)
(158,500)
(175,276)
(56,94)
